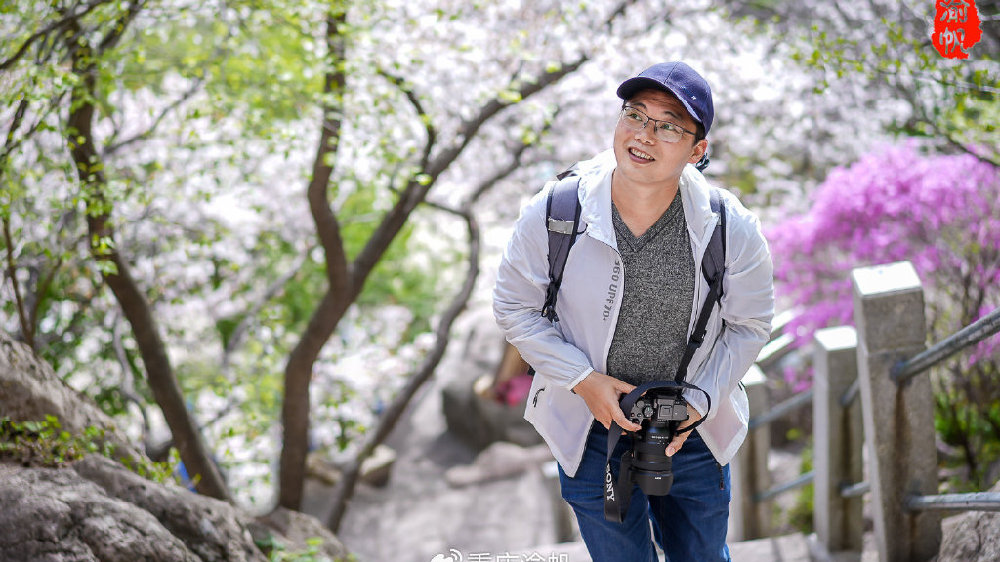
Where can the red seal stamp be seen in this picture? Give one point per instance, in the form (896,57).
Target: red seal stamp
(956,28)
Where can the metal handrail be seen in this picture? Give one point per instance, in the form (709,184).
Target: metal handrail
(851,394)
(855,490)
(979,330)
(971,334)
(798,482)
(789,405)
(978,501)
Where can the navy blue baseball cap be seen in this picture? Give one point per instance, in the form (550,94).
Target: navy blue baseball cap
(680,80)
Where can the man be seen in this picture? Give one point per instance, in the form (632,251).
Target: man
(631,292)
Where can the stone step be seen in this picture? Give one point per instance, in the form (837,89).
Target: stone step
(788,548)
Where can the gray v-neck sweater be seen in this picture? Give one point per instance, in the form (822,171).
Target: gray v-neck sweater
(651,333)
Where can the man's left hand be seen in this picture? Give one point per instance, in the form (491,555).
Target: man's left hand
(679,438)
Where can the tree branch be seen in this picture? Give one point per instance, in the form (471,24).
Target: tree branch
(11,143)
(414,100)
(8,145)
(516,162)
(112,147)
(241,329)
(347,484)
(471,127)
(327,227)
(416,191)
(41,290)
(62,22)
(118,27)
(955,143)
(27,329)
(128,379)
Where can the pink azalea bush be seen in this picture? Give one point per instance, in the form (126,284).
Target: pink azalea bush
(941,212)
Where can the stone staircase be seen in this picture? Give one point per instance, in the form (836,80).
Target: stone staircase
(788,548)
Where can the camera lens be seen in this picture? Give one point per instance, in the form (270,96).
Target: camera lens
(654,483)
(651,465)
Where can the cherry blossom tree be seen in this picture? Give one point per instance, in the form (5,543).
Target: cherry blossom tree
(883,51)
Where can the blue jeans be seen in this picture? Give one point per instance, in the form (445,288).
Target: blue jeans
(689,524)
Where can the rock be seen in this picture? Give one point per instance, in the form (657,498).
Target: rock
(499,460)
(973,536)
(209,528)
(479,421)
(56,514)
(95,509)
(375,470)
(295,531)
(319,468)
(30,390)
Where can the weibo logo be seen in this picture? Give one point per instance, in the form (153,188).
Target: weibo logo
(452,556)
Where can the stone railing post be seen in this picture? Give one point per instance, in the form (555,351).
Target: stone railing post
(837,442)
(749,472)
(898,419)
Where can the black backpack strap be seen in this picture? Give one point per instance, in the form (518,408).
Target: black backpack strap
(571,171)
(714,263)
(713,267)
(562,221)
(563,225)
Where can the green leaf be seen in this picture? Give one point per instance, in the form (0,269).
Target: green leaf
(510,96)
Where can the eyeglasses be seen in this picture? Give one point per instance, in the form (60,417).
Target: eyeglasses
(635,119)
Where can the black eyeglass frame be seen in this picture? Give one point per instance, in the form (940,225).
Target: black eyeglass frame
(625,107)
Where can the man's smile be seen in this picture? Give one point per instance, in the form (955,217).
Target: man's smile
(640,154)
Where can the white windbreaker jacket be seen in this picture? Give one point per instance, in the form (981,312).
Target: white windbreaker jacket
(564,352)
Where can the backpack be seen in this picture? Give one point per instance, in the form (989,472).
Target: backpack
(563,224)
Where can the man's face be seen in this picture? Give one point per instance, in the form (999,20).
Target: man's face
(642,158)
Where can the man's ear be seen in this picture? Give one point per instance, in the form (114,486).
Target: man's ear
(697,151)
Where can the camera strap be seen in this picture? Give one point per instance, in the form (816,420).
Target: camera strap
(618,495)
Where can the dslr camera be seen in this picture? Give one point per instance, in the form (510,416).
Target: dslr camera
(660,411)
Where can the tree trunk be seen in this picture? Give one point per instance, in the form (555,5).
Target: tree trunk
(115,272)
(340,293)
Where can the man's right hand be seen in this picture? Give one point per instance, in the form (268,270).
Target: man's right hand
(603,396)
